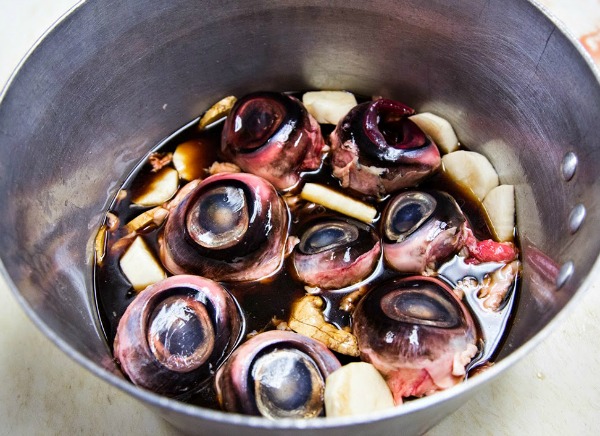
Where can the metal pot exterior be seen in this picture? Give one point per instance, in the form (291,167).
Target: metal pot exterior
(113,78)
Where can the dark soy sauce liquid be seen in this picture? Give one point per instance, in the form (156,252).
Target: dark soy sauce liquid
(264,303)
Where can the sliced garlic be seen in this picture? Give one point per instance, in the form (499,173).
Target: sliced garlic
(161,186)
(472,171)
(328,107)
(439,129)
(217,111)
(140,266)
(354,389)
(339,202)
(153,217)
(499,206)
(100,244)
(307,319)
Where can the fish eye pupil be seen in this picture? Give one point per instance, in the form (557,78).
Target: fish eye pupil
(327,236)
(217,214)
(408,216)
(219,218)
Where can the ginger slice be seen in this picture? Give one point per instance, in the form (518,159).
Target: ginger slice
(307,319)
(223,167)
(496,285)
(153,217)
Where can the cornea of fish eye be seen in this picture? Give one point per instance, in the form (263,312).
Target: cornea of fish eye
(176,333)
(377,150)
(421,229)
(244,238)
(406,213)
(414,331)
(272,135)
(335,252)
(276,374)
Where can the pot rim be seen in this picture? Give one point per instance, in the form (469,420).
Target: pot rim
(172,405)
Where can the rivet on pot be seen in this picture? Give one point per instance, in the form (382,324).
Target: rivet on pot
(564,274)
(576,217)
(569,165)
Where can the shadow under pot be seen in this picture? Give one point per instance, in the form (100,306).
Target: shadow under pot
(176,333)
(421,229)
(335,252)
(417,333)
(276,374)
(231,227)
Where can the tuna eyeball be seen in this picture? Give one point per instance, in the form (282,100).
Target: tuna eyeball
(414,330)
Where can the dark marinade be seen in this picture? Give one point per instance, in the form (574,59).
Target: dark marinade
(261,302)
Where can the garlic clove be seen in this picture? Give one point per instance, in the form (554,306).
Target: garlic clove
(161,186)
(139,265)
(438,129)
(188,158)
(499,206)
(354,389)
(328,107)
(472,171)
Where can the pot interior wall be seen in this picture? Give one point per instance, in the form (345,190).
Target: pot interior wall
(116,77)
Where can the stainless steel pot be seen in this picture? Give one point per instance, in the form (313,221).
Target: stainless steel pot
(114,78)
